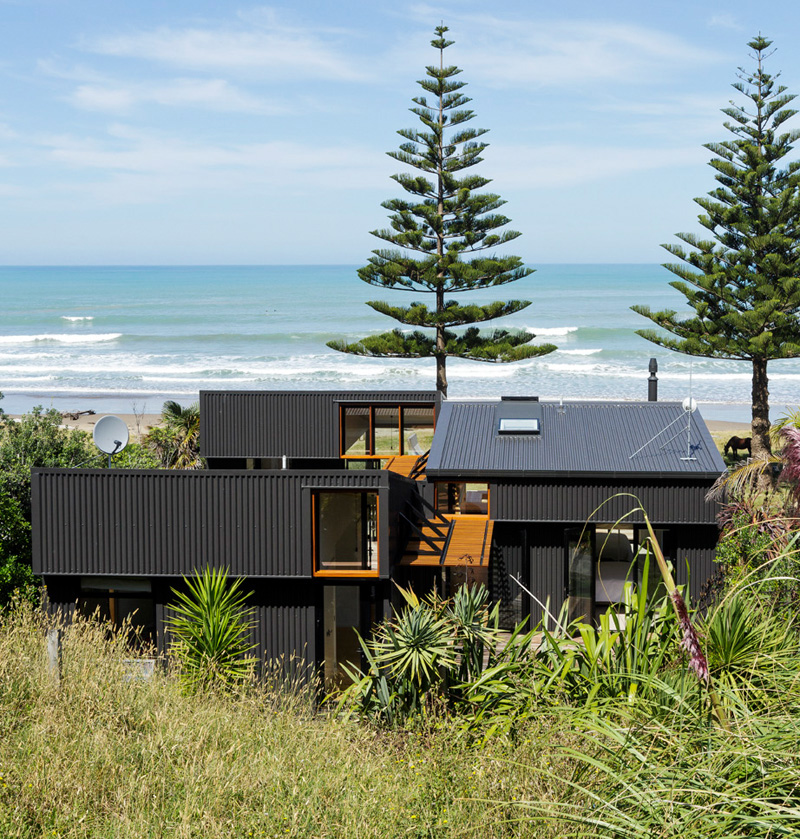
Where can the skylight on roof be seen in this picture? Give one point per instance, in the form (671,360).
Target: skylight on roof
(518,425)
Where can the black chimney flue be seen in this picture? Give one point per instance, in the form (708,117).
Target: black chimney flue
(652,382)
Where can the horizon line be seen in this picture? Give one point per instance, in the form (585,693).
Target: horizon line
(253,264)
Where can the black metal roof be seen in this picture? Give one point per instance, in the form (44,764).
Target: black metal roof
(628,438)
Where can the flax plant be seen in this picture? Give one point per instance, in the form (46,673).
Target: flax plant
(689,638)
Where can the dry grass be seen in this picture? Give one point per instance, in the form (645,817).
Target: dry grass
(104,755)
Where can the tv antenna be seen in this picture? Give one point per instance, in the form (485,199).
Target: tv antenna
(110,435)
(689,407)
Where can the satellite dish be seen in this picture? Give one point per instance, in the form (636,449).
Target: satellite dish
(689,405)
(110,435)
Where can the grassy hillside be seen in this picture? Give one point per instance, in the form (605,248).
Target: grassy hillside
(105,755)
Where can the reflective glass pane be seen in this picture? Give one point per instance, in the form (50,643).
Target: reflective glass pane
(614,563)
(463,498)
(581,576)
(417,430)
(342,608)
(347,531)
(387,431)
(355,434)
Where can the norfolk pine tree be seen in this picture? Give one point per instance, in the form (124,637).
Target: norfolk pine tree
(436,233)
(746,287)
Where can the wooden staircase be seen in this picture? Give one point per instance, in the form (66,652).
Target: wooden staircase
(455,540)
(470,541)
(427,543)
(409,466)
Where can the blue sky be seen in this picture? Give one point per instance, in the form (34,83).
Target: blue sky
(227,133)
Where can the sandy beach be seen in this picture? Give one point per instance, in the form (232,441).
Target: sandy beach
(723,426)
(138,424)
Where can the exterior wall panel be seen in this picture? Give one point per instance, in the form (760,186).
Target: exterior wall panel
(697,547)
(547,575)
(302,424)
(285,622)
(575,501)
(169,523)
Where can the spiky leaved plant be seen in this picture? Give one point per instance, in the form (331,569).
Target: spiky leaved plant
(210,624)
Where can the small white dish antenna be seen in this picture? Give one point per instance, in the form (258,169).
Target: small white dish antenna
(689,405)
(110,435)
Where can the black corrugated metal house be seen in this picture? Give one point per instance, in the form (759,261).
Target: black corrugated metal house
(323,499)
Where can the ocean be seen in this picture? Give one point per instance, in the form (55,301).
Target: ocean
(124,339)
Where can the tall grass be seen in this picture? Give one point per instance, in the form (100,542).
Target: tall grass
(660,769)
(105,755)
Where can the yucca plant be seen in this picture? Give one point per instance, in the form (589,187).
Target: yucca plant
(752,654)
(210,625)
(476,627)
(425,656)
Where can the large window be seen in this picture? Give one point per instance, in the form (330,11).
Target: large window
(123,602)
(604,562)
(466,499)
(346,533)
(375,431)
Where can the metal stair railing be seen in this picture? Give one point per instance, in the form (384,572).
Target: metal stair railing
(418,469)
(425,538)
(427,508)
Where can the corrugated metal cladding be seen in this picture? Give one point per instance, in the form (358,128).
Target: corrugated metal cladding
(275,423)
(547,570)
(285,625)
(168,523)
(694,547)
(582,437)
(574,500)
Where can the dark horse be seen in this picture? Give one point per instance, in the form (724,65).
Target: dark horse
(737,443)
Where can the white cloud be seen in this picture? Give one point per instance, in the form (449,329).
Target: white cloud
(508,52)
(210,94)
(725,21)
(563,165)
(134,166)
(283,52)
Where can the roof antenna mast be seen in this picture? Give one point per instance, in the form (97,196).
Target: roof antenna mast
(689,406)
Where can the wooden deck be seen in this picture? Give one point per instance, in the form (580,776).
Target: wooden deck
(405,465)
(468,541)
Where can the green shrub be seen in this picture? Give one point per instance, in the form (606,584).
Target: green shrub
(209,625)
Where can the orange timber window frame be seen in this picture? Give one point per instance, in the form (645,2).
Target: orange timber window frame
(333,510)
(463,498)
(370,452)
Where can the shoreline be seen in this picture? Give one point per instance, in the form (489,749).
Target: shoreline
(140,423)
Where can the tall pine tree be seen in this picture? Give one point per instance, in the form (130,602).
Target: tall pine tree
(436,234)
(745,286)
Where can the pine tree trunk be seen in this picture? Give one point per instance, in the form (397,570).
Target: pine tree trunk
(441,375)
(760,422)
(441,358)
